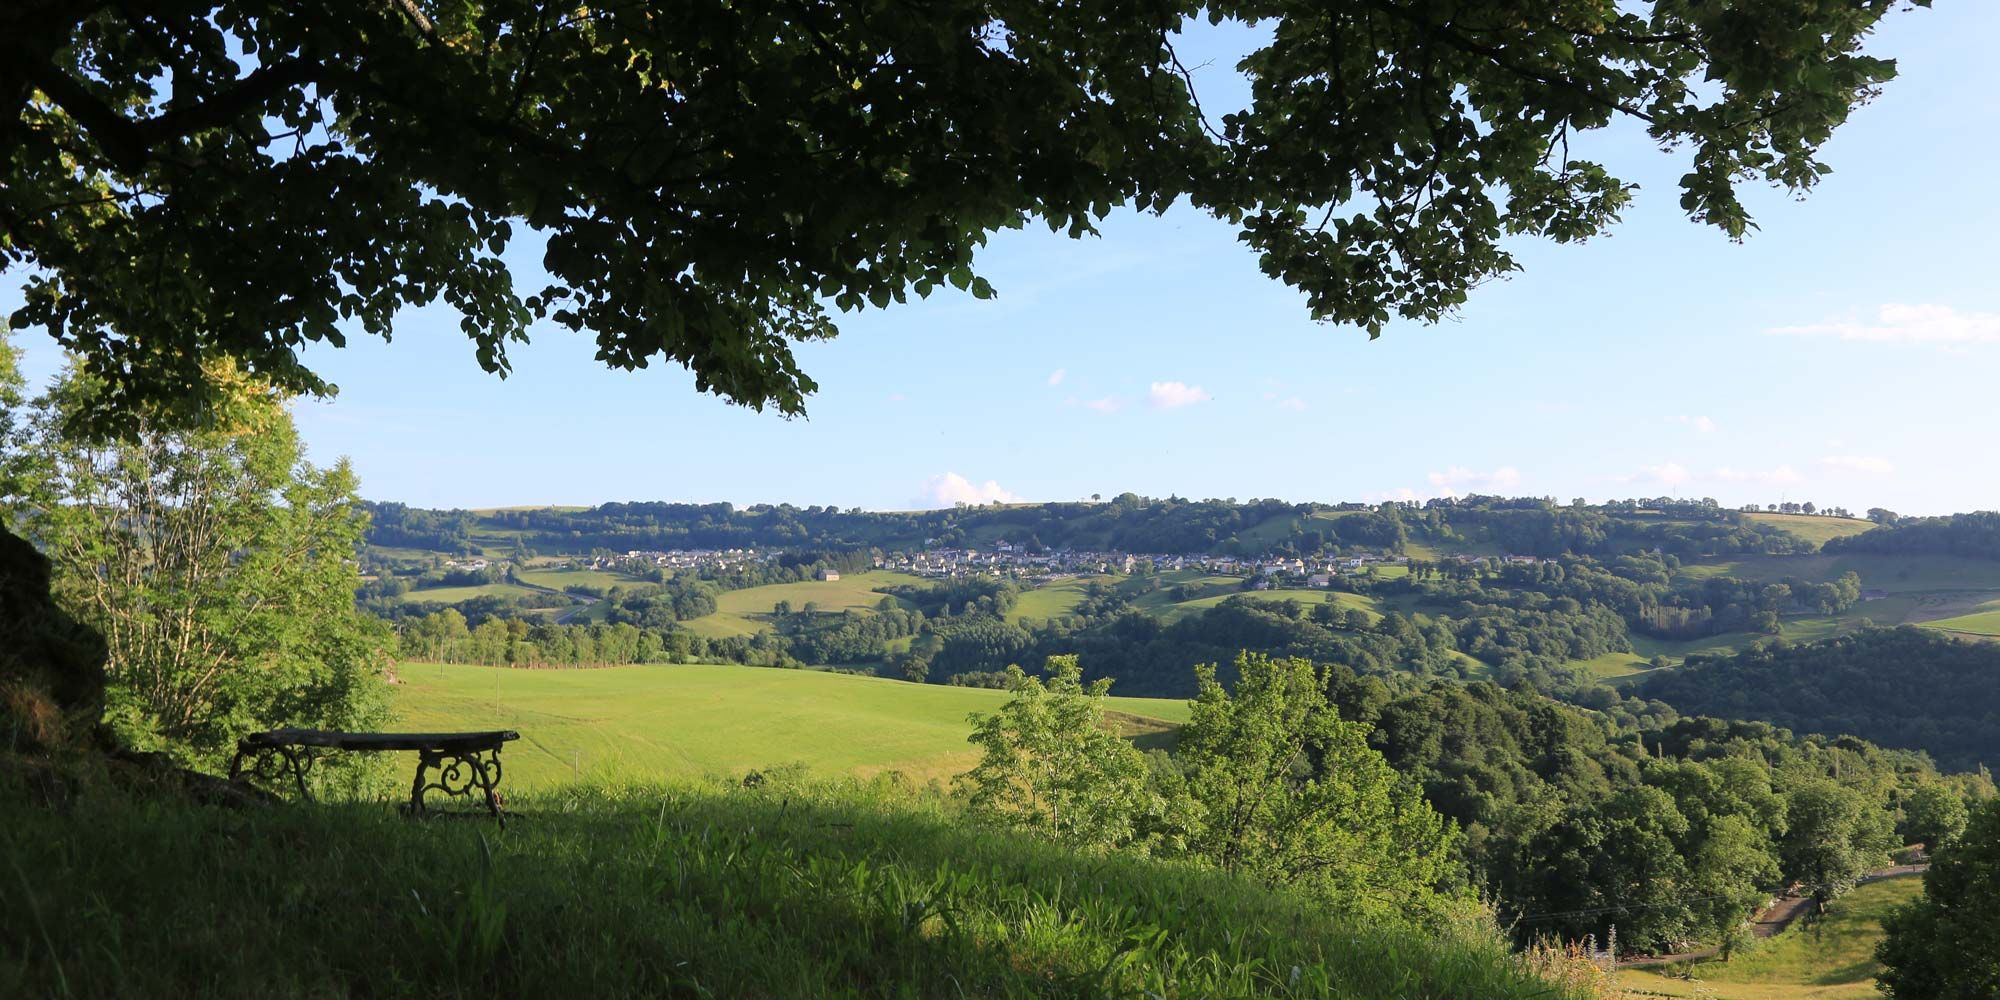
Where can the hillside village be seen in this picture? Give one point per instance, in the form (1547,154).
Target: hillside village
(1016,561)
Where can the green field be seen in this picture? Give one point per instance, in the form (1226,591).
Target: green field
(453,595)
(1813,527)
(1611,666)
(648,723)
(1340,599)
(747,611)
(557,579)
(1055,599)
(1832,961)
(1893,573)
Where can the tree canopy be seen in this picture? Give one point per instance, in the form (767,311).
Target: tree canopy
(713,180)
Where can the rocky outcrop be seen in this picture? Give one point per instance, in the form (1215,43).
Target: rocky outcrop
(51,665)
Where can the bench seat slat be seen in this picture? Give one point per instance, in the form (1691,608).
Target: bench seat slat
(491,739)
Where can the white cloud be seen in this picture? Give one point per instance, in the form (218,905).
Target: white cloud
(1109,404)
(952,489)
(1779,476)
(1703,425)
(1292,403)
(897,397)
(1456,477)
(1170,395)
(1865,464)
(1665,474)
(1897,323)
(1056,377)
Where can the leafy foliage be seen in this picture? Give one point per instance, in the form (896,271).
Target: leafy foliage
(217,563)
(1946,945)
(1284,791)
(1975,535)
(1048,763)
(1903,687)
(172,204)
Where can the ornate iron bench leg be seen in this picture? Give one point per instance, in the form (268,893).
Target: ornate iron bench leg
(459,774)
(272,763)
(489,779)
(301,760)
(425,761)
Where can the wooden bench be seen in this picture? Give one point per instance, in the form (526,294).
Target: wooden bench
(460,765)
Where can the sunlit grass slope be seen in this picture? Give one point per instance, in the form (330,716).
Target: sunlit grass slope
(1813,527)
(692,891)
(652,722)
(747,611)
(1054,599)
(1834,960)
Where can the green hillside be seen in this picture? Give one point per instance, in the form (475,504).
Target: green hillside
(1815,528)
(558,579)
(696,890)
(1834,960)
(648,723)
(1340,599)
(746,611)
(453,595)
(1055,599)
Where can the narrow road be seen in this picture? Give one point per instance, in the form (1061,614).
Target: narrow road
(1774,918)
(561,619)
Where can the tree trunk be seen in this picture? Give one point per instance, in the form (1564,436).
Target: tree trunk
(51,665)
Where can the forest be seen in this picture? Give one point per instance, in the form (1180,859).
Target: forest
(1903,687)
(1125,523)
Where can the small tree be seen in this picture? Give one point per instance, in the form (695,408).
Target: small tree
(1934,815)
(219,566)
(1049,764)
(1286,792)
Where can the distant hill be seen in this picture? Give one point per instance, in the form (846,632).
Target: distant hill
(1901,687)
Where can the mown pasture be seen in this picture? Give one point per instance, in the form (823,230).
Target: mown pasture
(747,611)
(654,722)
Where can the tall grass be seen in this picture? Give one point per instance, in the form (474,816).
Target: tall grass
(698,890)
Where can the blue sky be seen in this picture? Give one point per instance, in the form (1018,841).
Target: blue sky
(1845,354)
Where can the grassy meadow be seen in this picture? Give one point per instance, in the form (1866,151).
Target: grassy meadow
(1054,599)
(654,722)
(453,595)
(558,579)
(747,611)
(1834,960)
(1340,599)
(1815,528)
(790,889)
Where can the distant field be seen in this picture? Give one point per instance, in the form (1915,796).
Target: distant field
(636,723)
(453,595)
(1896,574)
(1054,600)
(1613,665)
(1975,613)
(1175,612)
(1813,527)
(1158,602)
(1833,961)
(412,555)
(744,612)
(1677,649)
(557,579)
